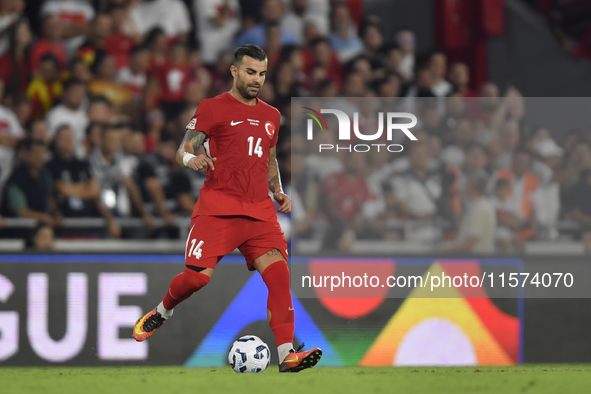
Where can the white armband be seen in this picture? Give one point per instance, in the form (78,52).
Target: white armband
(186,158)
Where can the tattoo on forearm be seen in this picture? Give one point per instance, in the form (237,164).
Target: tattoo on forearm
(195,137)
(274,181)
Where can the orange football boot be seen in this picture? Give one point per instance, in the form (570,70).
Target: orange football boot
(298,360)
(147,325)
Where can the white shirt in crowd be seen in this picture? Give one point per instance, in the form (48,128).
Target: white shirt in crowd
(9,125)
(215,39)
(172,16)
(76,119)
(316,13)
(126,77)
(70,11)
(5,21)
(480,222)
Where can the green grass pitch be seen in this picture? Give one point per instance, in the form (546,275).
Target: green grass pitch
(359,380)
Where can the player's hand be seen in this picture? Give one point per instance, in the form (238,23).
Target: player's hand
(149,220)
(114,229)
(170,218)
(201,162)
(284,200)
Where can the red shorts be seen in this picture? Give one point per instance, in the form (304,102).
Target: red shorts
(212,237)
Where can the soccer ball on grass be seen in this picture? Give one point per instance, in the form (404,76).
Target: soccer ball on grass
(249,354)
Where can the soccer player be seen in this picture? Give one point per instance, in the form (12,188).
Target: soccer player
(234,137)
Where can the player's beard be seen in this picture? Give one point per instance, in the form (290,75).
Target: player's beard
(243,89)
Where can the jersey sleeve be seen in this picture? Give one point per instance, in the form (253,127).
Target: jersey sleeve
(277,122)
(203,119)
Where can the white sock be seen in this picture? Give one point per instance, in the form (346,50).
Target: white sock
(163,311)
(283,350)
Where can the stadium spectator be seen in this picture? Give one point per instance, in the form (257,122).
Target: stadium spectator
(459,76)
(460,137)
(11,133)
(72,112)
(509,139)
(165,187)
(81,71)
(28,191)
(172,16)
(523,185)
(475,162)
(372,42)
(14,62)
(407,43)
(74,16)
(46,88)
(271,12)
(134,75)
(76,191)
(38,131)
(41,238)
(10,14)
(22,109)
(418,192)
(118,191)
(302,12)
(93,137)
(438,68)
(547,199)
(217,23)
(119,41)
(344,39)
(94,47)
(105,85)
(478,225)
(172,79)
(342,199)
(50,44)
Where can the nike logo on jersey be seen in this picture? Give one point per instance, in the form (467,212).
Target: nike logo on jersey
(232,123)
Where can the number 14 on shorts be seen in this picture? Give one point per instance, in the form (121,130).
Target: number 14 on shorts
(196,249)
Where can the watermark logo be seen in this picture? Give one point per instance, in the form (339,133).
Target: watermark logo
(345,128)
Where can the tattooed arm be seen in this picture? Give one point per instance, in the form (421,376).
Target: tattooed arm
(275,183)
(191,154)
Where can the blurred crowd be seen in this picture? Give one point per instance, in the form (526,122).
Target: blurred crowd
(570,21)
(95,97)
(480,177)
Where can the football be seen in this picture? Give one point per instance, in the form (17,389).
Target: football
(249,354)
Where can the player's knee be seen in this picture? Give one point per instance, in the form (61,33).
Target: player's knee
(196,280)
(278,269)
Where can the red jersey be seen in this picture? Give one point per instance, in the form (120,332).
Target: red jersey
(347,195)
(241,137)
(172,80)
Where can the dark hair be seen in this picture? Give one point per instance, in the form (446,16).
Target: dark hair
(523,151)
(319,40)
(250,50)
(92,125)
(287,51)
(100,99)
(138,48)
(167,136)
(49,58)
(27,144)
(30,240)
(150,37)
(479,181)
(501,183)
(72,82)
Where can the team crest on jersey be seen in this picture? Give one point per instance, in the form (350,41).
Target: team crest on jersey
(270,129)
(191,125)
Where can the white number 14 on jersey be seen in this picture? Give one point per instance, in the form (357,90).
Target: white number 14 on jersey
(258,150)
